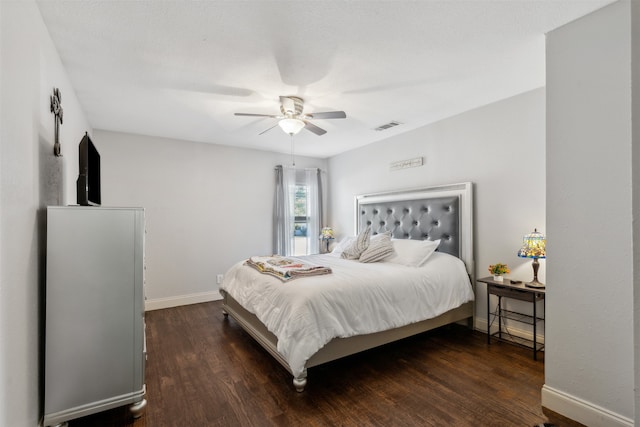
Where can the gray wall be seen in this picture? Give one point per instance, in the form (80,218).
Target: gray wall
(499,147)
(31,178)
(589,361)
(201,204)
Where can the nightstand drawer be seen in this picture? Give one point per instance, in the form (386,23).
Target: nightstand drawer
(518,294)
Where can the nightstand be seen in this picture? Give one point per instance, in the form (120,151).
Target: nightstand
(516,291)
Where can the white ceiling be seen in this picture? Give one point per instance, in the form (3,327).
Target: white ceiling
(180,69)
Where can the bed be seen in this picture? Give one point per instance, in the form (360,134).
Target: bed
(313,320)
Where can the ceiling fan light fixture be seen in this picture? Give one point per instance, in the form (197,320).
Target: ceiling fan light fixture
(291,126)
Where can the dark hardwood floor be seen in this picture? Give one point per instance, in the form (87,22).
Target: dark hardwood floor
(203,370)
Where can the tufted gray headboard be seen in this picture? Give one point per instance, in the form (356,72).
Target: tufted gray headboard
(431,219)
(443,212)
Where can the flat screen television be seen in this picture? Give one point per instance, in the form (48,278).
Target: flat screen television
(88,183)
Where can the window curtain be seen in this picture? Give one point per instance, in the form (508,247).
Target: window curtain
(283,216)
(313,182)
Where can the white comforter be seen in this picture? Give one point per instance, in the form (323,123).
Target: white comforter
(357,298)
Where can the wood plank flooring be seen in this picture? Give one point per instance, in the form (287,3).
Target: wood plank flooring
(203,370)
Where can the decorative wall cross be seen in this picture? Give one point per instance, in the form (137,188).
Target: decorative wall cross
(56,109)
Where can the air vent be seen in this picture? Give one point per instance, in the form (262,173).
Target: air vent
(389,125)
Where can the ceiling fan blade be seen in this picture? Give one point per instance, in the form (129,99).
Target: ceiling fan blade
(313,128)
(267,130)
(256,115)
(328,115)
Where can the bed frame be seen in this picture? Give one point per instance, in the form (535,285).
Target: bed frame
(443,212)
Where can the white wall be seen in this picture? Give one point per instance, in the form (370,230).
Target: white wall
(635,118)
(499,147)
(589,361)
(206,207)
(31,178)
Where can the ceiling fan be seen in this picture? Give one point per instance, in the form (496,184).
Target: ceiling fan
(292,120)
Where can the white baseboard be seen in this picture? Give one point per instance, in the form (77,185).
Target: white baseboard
(160,303)
(582,411)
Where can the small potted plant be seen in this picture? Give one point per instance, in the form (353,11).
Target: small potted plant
(498,270)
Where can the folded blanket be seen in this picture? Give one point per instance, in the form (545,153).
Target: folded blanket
(285,268)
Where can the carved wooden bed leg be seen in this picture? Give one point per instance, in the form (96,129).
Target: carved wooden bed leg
(300,382)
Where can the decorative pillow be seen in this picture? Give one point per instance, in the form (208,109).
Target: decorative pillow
(361,243)
(348,240)
(380,247)
(412,253)
(342,245)
(386,234)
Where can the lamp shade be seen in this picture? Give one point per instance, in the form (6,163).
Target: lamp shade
(291,126)
(326,233)
(533,245)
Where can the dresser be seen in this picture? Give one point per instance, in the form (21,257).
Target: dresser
(94,352)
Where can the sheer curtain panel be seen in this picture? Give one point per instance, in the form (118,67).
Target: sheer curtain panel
(283,215)
(297,209)
(313,182)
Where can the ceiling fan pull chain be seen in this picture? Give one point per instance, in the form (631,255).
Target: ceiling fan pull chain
(293,160)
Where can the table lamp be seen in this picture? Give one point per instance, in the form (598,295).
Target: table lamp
(327,235)
(533,246)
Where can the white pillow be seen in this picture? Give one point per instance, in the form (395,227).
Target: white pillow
(412,253)
(380,247)
(342,245)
